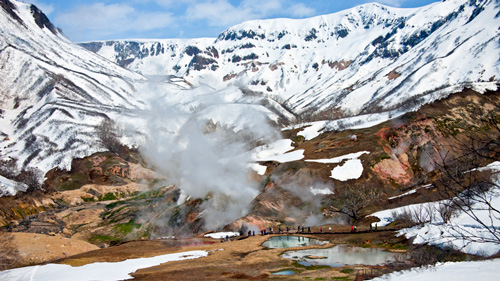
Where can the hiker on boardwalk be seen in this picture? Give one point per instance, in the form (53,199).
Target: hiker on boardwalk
(287,229)
(330,229)
(321,229)
(308,229)
(298,229)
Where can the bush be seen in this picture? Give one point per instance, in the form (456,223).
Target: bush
(32,178)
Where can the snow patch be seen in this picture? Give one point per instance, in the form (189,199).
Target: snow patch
(220,235)
(351,170)
(456,271)
(259,169)
(103,271)
(317,191)
(351,156)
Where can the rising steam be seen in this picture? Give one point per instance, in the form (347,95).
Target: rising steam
(205,159)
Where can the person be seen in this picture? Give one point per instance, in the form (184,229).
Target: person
(352,228)
(270,230)
(330,229)
(302,229)
(370,226)
(227,238)
(253,232)
(287,229)
(321,229)
(298,229)
(308,229)
(249,232)
(375,226)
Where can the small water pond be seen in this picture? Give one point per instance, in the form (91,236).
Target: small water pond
(341,255)
(285,272)
(288,241)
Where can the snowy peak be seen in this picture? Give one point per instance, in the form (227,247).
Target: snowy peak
(41,19)
(367,59)
(54,93)
(37,15)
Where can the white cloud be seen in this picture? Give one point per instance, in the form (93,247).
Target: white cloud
(101,21)
(218,13)
(224,13)
(300,10)
(392,3)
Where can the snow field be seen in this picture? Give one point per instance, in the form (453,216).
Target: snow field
(102,271)
(457,271)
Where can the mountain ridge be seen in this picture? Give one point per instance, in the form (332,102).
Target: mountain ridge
(332,61)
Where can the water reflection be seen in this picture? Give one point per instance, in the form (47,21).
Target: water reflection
(284,272)
(342,255)
(288,241)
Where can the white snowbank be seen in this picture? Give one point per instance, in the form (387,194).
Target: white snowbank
(220,235)
(351,170)
(259,169)
(410,192)
(350,156)
(457,271)
(277,151)
(313,130)
(102,271)
(275,148)
(7,187)
(317,191)
(462,232)
(287,157)
(272,151)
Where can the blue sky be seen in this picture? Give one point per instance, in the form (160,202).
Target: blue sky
(88,20)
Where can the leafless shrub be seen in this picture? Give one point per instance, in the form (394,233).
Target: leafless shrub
(352,199)
(32,178)
(108,134)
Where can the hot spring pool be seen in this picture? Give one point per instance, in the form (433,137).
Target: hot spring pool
(288,241)
(342,255)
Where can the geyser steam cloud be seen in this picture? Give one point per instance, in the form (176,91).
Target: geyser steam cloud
(206,160)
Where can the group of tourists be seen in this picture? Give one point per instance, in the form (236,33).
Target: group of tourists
(300,229)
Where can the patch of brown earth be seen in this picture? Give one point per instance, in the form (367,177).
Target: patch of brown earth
(34,248)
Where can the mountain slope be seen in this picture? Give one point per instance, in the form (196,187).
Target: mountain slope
(367,59)
(53,93)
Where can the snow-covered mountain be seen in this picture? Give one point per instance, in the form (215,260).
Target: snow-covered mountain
(53,93)
(366,59)
(371,58)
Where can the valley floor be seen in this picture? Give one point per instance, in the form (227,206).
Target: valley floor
(211,259)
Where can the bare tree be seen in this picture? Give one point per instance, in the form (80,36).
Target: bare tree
(471,190)
(107,132)
(463,177)
(352,199)
(32,178)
